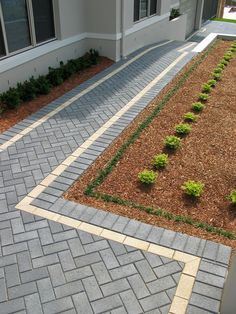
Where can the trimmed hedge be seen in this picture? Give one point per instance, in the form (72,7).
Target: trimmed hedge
(32,88)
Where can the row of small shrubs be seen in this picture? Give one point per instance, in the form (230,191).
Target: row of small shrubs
(172,142)
(33,87)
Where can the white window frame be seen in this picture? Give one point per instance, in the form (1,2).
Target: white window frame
(148,11)
(30,15)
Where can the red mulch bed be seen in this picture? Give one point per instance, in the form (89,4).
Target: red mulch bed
(207,154)
(11,117)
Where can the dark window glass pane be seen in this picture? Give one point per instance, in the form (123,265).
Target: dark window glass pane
(43,20)
(2,46)
(16,24)
(143,8)
(136,10)
(153,7)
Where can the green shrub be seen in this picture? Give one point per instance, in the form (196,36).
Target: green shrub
(174,13)
(224,62)
(190,117)
(228,57)
(11,98)
(217,76)
(42,86)
(1,109)
(160,161)
(203,97)
(94,56)
(206,88)
(55,76)
(183,129)
(232,49)
(221,66)
(147,176)
(197,106)
(212,83)
(193,188)
(218,70)
(172,142)
(27,90)
(68,69)
(232,197)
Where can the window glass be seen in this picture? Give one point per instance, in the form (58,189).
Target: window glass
(143,8)
(16,24)
(43,20)
(2,47)
(136,10)
(153,7)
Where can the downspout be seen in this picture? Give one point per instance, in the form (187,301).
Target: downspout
(122,23)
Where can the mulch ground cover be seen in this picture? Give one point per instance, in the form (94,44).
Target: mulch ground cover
(207,154)
(11,117)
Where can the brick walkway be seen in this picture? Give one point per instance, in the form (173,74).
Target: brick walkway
(49,266)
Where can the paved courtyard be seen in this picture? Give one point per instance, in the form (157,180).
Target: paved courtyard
(60,257)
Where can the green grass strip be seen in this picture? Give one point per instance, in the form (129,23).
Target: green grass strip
(218,19)
(91,187)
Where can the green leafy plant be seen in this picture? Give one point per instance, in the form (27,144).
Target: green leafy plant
(183,129)
(147,176)
(94,56)
(174,13)
(193,188)
(55,76)
(224,62)
(190,117)
(206,88)
(217,76)
(42,85)
(11,98)
(160,161)
(232,197)
(228,56)
(212,83)
(203,97)
(172,142)
(218,70)
(197,106)
(221,66)
(232,49)
(27,90)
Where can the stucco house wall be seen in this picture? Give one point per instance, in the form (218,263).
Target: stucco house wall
(106,25)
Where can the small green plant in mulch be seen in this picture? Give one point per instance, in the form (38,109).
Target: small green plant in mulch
(203,97)
(206,88)
(224,62)
(147,177)
(212,83)
(183,129)
(172,142)
(232,197)
(221,66)
(193,188)
(232,49)
(217,76)
(160,161)
(11,98)
(218,70)
(228,56)
(190,117)
(197,106)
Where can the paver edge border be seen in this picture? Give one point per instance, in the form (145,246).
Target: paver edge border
(192,263)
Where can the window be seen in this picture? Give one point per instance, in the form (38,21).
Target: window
(144,8)
(43,20)
(25,23)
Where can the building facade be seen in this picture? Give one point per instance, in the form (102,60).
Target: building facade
(36,34)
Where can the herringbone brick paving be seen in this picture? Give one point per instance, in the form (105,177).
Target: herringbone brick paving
(46,267)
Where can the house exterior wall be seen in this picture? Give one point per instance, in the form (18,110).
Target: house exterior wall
(105,25)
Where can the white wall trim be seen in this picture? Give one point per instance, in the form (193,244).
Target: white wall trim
(147,22)
(104,36)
